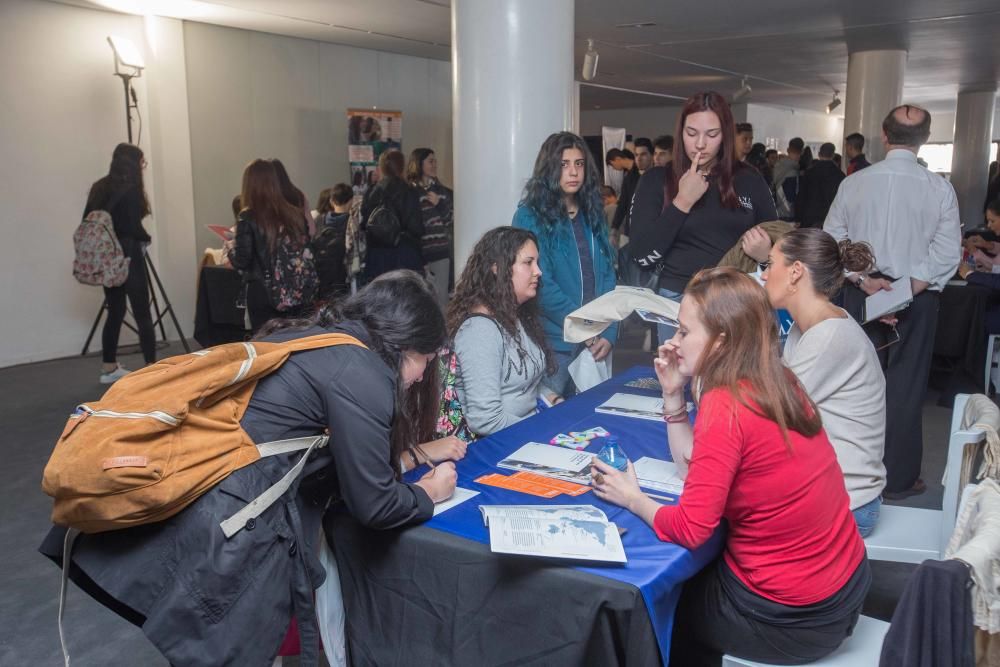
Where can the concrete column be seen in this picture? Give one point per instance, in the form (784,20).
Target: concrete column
(169,181)
(874,87)
(971,156)
(513,86)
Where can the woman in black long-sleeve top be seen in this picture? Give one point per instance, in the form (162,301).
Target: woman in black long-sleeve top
(687,215)
(121,193)
(205,600)
(405,202)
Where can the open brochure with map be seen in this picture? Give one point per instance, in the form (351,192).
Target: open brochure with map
(579,532)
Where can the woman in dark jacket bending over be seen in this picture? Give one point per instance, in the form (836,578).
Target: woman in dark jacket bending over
(206,600)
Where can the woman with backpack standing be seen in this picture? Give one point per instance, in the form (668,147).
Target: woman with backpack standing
(205,599)
(391,218)
(437,204)
(272,249)
(122,195)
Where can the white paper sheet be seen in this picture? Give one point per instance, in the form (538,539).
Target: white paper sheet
(457,498)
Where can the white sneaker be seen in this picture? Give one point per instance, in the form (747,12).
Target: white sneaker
(115,375)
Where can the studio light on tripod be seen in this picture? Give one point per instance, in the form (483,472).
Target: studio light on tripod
(834,103)
(126,55)
(128,65)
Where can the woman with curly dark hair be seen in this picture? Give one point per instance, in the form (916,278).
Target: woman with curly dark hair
(498,338)
(562,206)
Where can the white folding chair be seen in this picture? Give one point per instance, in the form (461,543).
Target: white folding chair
(912,535)
(861,649)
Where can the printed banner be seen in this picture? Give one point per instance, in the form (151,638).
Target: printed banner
(369,134)
(613,137)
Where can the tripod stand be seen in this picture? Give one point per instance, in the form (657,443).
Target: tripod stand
(151,276)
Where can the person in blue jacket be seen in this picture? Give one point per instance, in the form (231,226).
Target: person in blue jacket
(562,206)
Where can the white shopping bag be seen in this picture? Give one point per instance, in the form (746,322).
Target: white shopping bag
(586,372)
(330,608)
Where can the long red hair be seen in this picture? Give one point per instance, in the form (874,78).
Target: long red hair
(735,311)
(726,163)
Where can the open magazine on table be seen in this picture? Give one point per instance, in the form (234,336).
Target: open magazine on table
(577,532)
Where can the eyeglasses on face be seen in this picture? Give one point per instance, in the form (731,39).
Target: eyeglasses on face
(765,265)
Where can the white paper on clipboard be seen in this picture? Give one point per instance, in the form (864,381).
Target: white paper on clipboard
(886,302)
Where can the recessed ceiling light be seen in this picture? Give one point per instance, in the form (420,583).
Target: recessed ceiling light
(637,24)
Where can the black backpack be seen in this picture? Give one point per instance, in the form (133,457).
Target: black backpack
(383,225)
(328,248)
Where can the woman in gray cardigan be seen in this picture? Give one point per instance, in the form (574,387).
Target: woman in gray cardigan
(498,339)
(833,357)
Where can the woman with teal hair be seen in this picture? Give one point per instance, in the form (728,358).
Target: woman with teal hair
(562,206)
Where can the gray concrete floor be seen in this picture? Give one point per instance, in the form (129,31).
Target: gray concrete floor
(36,400)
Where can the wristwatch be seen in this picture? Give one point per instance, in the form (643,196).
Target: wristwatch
(861,281)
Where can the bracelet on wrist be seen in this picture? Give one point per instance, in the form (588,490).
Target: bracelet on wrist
(413,457)
(680,412)
(677,418)
(680,408)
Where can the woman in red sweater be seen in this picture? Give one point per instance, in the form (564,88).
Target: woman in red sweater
(791,582)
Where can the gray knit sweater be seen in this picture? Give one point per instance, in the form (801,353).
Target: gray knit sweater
(838,366)
(497,384)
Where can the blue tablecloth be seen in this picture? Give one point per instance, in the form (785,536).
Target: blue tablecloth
(656,568)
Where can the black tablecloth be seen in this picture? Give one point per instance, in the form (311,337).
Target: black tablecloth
(423,597)
(217,320)
(960,340)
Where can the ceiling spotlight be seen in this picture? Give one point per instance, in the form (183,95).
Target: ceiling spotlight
(834,103)
(743,92)
(590,62)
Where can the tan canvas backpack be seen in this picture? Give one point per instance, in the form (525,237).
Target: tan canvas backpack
(164,435)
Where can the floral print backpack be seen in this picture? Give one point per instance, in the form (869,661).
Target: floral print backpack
(451,418)
(291,280)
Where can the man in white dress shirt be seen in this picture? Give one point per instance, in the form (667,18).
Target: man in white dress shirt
(909,215)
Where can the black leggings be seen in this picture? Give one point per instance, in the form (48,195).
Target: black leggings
(137,290)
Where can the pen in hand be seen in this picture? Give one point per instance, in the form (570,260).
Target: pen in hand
(427,459)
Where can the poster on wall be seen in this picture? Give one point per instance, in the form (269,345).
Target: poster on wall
(369,134)
(614,137)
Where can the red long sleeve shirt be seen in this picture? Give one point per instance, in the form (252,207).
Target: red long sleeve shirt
(792,537)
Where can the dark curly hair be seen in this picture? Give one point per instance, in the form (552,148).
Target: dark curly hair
(487,282)
(400,312)
(543,194)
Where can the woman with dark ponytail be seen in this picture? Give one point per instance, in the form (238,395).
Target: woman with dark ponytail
(833,357)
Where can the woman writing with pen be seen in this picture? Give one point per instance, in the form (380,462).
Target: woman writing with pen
(794,575)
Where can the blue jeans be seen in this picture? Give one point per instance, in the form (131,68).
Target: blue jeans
(560,381)
(664,331)
(866,516)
